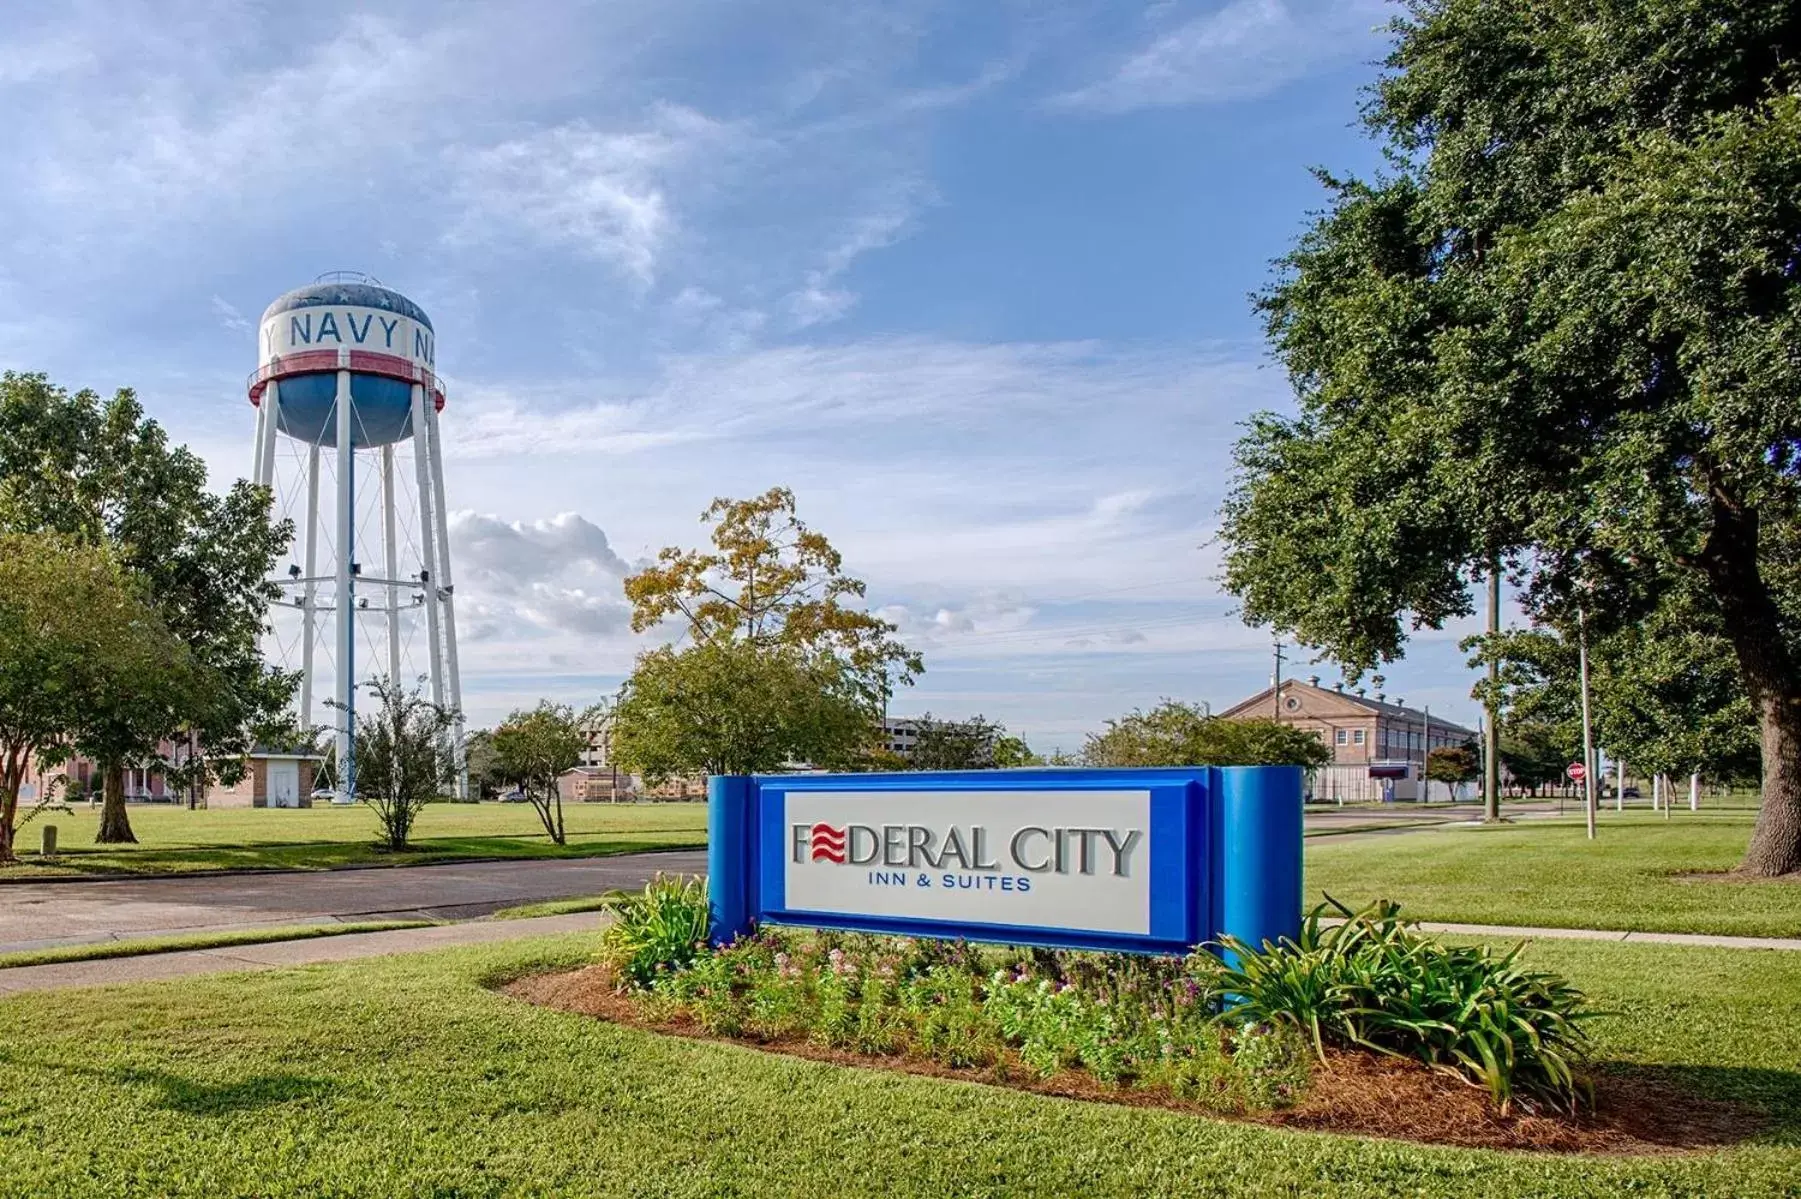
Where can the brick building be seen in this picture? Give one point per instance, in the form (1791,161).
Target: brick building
(1379,746)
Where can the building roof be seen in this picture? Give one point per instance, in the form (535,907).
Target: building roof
(1376,707)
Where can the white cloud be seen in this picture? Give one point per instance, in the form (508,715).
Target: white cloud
(922,388)
(819,301)
(1245,48)
(599,192)
(229,316)
(520,579)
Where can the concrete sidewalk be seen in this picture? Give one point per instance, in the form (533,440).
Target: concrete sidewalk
(1596,934)
(275,955)
(352,946)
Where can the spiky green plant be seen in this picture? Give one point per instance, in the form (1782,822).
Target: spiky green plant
(659,929)
(1373,980)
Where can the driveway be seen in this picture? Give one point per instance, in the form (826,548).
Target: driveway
(40,914)
(33,915)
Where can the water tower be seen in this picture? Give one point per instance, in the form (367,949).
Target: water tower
(346,374)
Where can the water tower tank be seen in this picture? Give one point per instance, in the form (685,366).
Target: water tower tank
(346,320)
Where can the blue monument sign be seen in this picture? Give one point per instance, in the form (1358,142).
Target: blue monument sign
(1154,861)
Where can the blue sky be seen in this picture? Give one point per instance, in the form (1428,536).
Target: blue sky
(970,278)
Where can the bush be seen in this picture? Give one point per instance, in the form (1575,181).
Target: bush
(663,927)
(1375,982)
(1133,1021)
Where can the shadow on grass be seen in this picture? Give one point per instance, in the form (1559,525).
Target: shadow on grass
(192,1098)
(1705,1106)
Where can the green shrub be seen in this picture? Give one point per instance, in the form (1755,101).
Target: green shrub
(662,928)
(1374,981)
(1128,1020)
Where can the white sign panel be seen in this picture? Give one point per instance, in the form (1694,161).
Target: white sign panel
(345,327)
(1050,859)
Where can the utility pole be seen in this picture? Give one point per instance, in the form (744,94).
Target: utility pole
(1426,753)
(1276,694)
(1588,736)
(1491,733)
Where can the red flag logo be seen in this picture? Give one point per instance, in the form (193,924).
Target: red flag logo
(827,843)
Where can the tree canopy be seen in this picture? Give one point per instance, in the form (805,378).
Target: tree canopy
(101,473)
(781,667)
(772,581)
(1179,734)
(1555,336)
(732,707)
(403,758)
(76,635)
(955,744)
(534,748)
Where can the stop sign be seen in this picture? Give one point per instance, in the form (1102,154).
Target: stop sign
(1577,772)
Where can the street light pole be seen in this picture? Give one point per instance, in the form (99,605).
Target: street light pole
(1588,737)
(1491,735)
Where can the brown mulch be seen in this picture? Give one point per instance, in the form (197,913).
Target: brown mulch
(1356,1093)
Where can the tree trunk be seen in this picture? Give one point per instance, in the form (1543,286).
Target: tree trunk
(1754,625)
(12,775)
(9,810)
(115,822)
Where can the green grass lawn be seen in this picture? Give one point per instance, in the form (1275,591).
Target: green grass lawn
(174,840)
(1546,873)
(402,1076)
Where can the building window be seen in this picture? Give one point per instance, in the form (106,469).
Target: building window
(1356,736)
(1341,737)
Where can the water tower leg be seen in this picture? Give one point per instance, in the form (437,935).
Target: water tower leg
(346,598)
(309,590)
(393,563)
(427,536)
(256,446)
(265,461)
(450,616)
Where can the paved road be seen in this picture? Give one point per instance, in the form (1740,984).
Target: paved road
(33,915)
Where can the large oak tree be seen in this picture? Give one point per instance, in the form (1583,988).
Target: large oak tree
(1561,334)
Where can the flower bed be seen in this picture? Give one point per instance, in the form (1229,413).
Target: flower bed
(1345,1028)
(1133,1022)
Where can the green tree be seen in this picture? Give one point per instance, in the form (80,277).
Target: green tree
(1551,338)
(1537,752)
(1664,694)
(403,757)
(732,707)
(1011,752)
(1452,764)
(75,633)
(534,749)
(772,581)
(955,744)
(1179,734)
(484,766)
(105,475)
(782,666)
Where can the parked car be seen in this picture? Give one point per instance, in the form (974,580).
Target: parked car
(1629,793)
(324,795)
(514,796)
